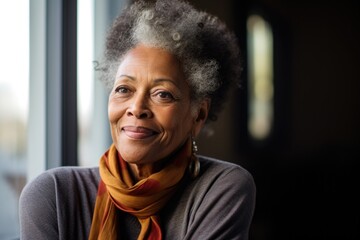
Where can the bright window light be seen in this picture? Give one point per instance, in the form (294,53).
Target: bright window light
(260,63)
(85,85)
(14,94)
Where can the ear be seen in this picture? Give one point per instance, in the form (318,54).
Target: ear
(201,116)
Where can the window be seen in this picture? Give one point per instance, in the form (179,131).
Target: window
(85,76)
(36,42)
(14,88)
(94,18)
(260,62)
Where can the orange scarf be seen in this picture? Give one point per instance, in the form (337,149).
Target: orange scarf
(143,199)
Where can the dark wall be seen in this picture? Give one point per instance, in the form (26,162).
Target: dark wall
(307,173)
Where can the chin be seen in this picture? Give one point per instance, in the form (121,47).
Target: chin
(135,155)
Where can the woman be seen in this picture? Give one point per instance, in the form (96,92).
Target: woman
(168,67)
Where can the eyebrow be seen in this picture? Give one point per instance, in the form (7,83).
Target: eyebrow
(158,80)
(127,76)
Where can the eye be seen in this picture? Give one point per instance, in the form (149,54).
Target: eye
(163,96)
(122,90)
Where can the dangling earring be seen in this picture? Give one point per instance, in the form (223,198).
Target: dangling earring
(194,166)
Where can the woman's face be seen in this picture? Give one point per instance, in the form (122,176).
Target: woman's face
(150,112)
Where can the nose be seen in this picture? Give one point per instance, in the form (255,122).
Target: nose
(139,108)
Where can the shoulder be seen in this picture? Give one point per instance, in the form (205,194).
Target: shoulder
(225,183)
(219,170)
(59,202)
(222,183)
(218,204)
(63,177)
(60,181)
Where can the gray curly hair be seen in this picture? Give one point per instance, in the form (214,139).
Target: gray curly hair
(207,50)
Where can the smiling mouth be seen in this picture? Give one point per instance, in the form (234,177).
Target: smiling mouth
(138,132)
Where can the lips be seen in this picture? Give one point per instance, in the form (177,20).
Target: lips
(138,132)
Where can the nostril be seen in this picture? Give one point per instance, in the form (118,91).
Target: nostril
(142,114)
(129,113)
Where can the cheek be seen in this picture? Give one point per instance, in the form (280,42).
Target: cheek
(115,111)
(177,119)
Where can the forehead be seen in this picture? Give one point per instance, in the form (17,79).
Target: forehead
(151,61)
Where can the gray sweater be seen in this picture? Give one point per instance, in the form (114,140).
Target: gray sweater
(218,204)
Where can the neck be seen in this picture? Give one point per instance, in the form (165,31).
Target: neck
(141,171)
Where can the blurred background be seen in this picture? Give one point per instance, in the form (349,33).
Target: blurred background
(293,123)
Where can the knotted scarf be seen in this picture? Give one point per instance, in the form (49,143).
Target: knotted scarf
(143,199)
